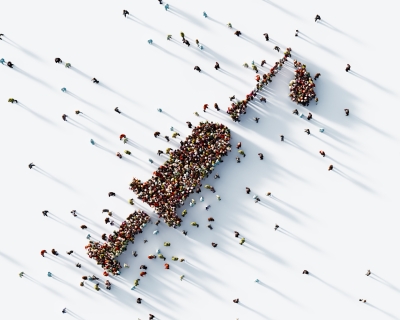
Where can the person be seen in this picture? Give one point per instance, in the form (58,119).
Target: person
(125,13)
(217,66)
(64,117)
(237,33)
(43,252)
(295,111)
(54,251)
(317,17)
(83,227)
(150,315)
(297,33)
(194,224)
(49,274)
(216,106)
(64,310)
(73,212)
(322,153)
(205,14)
(68,65)
(2,60)
(263,62)
(362,300)
(347,111)
(276,227)
(261,156)
(277,48)
(45,213)
(117,110)
(156,134)
(307,131)
(208,207)
(214,244)
(166,7)
(316,100)
(10,64)
(262,99)
(58,60)
(111,194)
(305,272)
(236,234)
(229,25)
(243,240)
(21,274)
(118,155)
(282,137)
(92,141)
(210,227)
(330,168)
(78,265)
(269,194)
(69,252)
(108,285)
(166,138)
(205,107)
(94,80)
(368,273)
(197,68)
(309,117)
(237,160)
(236,300)
(317,75)
(96,287)
(31,165)
(248,190)
(189,124)
(139,300)
(348,68)
(169,37)
(12,100)
(266,36)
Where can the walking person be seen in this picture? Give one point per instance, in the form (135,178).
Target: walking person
(307,131)
(282,137)
(348,68)
(347,111)
(216,106)
(368,273)
(276,227)
(58,60)
(317,17)
(197,68)
(261,156)
(217,66)
(236,300)
(125,13)
(317,75)
(117,110)
(330,168)
(305,272)
(64,117)
(45,213)
(266,36)
(94,80)
(43,252)
(322,153)
(277,48)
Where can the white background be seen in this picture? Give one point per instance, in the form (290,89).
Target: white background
(335,224)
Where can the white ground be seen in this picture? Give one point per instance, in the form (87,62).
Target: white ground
(334,224)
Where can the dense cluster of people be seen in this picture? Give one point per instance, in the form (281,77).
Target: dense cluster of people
(239,107)
(179,176)
(106,253)
(302,87)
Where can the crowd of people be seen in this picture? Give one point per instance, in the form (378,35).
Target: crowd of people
(239,106)
(169,187)
(106,253)
(302,87)
(179,176)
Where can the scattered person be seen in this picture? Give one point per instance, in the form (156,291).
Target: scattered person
(348,68)
(305,272)
(368,273)
(317,17)
(236,300)
(347,111)
(282,137)
(322,153)
(266,36)
(217,66)
(307,131)
(276,227)
(330,168)
(117,110)
(197,68)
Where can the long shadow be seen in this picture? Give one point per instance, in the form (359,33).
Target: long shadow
(103,148)
(377,130)
(383,311)
(74,315)
(318,45)
(28,277)
(187,16)
(16,45)
(267,253)
(82,74)
(290,206)
(283,10)
(287,233)
(277,292)
(98,123)
(328,25)
(83,100)
(50,176)
(82,127)
(253,42)
(331,286)
(372,82)
(144,24)
(26,74)
(357,183)
(35,114)
(383,281)
(262,316)
(116,93)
